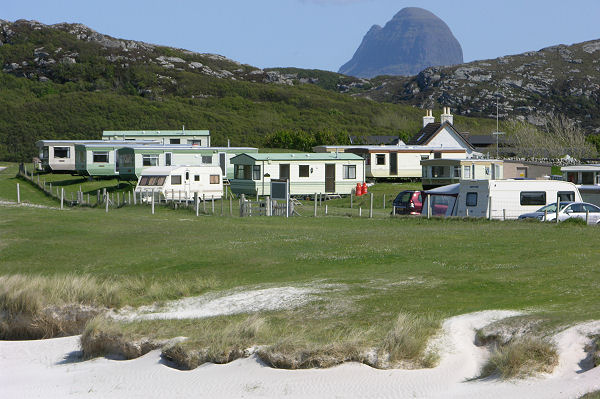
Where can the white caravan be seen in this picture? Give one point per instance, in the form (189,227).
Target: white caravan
(180,183)
(510,198)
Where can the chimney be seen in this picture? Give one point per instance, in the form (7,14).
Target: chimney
(428,118)
(447,116)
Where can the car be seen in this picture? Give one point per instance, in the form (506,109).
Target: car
(408,202)
(567,210)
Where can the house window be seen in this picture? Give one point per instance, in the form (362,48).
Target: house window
(174,141)
(206,158)
(303,171)
(423,157)
(256,172)
(100,157)
(437,155)
(196,177)
(467,170)
(195,142)
(242,172)
(457,172)
(62,152)
(380,159)
(349,171)
(150,160)
(471,199)
(168,157)
(215,179)
(176,179)
(587,177)
(533,198)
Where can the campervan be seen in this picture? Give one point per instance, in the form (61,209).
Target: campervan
(507,199)
(180,183)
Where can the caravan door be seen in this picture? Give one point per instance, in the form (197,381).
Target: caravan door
(223,163)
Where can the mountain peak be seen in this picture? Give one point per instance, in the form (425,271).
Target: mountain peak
(414,39)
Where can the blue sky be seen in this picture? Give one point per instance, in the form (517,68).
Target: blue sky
(320,34)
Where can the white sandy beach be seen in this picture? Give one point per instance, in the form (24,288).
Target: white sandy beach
(51,369)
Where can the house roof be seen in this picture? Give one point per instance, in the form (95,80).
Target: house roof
(581,168)
(303,156)
(428,132)
(166,170)
(186,147)
(116,143)
(183,133)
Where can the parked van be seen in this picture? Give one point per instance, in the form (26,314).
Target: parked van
(510,198)
(181,183)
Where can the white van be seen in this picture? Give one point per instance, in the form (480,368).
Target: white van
(510,198)
(181,183)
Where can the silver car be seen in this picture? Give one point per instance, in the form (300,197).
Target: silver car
(568,210)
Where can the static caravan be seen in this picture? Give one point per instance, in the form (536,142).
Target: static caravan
(511,198)
(181,183)
(59,155)
(587,180)
(441,172)
(132,160)
(100,158)
(308,173)
(199,138)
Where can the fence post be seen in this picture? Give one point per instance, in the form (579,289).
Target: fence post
(153,201)
(371,206)
(504,214)
(315,204)
(38,178)
(88,199)
(62,197)
(490,207)
(359,211)
(428,206)
(268,205)
(242,203)
(351,199)
(18,194)
(230,206)
(221,204)
(393,210)
(325,209)
(50,189)
(212,200)
(203,203)
(587,216)
(383,201)
(557,206)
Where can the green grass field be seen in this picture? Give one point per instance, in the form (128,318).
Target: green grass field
(369,271)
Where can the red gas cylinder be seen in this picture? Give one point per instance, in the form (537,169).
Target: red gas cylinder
(358,190)
(364,188)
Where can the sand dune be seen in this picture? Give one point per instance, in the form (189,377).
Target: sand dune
(51,369)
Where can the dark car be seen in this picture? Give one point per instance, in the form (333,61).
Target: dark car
(409,202)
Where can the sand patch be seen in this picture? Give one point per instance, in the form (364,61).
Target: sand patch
(219,304)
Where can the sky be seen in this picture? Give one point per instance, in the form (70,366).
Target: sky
(317,34)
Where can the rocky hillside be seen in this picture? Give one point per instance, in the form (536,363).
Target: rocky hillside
(411,41)
(67,81)
(555,80)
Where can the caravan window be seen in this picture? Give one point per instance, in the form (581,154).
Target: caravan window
(438,171)
(303,171)
(100,157)
(150,160)
(256,172)
(196,177)
(467,173)
(566,195)
(471,199)
(176,179)
(349,171)
(152,180)
(533,198)
(194,142)
(457,172)
(206,158)
(62,152)
(174,141)
(380,159)
(215,179)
